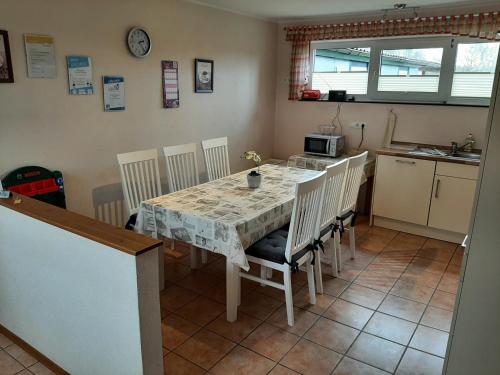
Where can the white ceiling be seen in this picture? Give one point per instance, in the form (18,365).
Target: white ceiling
(285,10)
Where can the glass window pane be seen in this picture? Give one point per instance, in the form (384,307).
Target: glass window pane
(475,70)
(410,70)
(341,69)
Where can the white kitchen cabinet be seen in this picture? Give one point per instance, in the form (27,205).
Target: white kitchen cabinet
(451,205)
(403,188)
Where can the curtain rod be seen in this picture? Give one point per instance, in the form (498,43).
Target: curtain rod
(387,20)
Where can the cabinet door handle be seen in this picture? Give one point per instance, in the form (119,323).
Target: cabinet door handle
(406,162)
(436,193)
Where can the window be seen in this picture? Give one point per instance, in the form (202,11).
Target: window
(425,69)
(341,69)
(410,70)
(474,70)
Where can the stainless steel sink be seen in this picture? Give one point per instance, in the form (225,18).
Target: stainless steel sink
(465,156)
(438,153)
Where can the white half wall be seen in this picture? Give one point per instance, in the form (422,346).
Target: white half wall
(89,308)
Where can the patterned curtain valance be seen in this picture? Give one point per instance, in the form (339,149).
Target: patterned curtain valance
(484,25)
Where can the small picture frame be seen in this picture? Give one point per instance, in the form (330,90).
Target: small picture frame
(203,76)
(6,72)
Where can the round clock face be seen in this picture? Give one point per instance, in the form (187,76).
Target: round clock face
(139,42)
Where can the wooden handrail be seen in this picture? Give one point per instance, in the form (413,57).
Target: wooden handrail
(117,238)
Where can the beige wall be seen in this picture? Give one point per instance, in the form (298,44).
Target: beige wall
(416,123)
(41,124)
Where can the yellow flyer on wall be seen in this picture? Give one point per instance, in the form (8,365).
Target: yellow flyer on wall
(40,56)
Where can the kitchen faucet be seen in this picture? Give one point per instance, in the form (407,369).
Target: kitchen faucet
(455,148)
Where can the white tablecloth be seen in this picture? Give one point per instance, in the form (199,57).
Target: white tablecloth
(225,216)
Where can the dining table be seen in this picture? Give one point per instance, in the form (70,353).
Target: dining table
(225,216)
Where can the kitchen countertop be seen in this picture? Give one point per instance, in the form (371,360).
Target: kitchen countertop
(406,154)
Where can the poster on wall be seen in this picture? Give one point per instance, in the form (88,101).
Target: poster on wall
(114,93)
(80,76)
(203,76)
(170,76)
(40,56)
(6,73)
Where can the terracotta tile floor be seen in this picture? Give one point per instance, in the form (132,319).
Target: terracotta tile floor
(14,360)
(388,312)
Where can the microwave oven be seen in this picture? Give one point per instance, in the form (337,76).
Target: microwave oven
(324,145)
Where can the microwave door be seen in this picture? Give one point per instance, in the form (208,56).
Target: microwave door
(316,146)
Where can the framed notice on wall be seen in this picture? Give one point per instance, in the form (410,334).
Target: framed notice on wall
(170,81)
(40,56)
(80,75)
(203,76)
(6,73)
(114,93)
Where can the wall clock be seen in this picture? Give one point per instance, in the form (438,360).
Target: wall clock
(139,42)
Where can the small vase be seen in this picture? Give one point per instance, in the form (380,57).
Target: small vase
(254,180)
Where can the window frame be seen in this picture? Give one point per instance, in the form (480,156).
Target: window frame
(442,96)
(341,44)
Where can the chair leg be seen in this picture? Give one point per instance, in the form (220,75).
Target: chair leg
(172,244)
(194,257)
(269,273)
(204,256)
(310,282)
(263,274)
(338,253)
(352,242)
(332,247)
(318,274)
(161,265)
(238,287)
(287,280)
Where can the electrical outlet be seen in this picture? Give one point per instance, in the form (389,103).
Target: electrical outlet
(358,125)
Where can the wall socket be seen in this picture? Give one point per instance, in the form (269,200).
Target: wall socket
(358,125)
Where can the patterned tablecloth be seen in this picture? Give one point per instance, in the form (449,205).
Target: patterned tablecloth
(319,163)
(225,216)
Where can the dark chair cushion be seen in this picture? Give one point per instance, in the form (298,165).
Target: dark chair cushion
(325,230)
(272,248)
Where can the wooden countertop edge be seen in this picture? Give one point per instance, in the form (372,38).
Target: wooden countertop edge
(405,154)
(117,238)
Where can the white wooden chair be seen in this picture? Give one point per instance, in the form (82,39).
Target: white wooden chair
(216,158)
(182,166)
(182,173)
(140,177)
(327,216)
(284,250)
(347,216)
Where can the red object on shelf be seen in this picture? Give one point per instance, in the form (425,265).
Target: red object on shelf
(32,189)
(311,95)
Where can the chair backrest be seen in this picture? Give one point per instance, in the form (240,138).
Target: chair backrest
(182,166)
(355,171)
(334,189)
(140,177)
(304,221)
(216,158)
